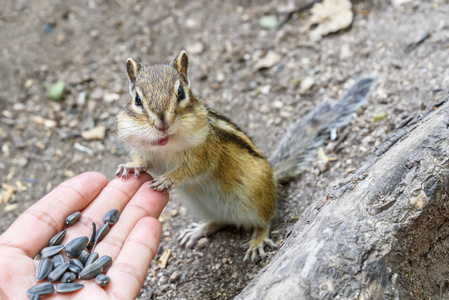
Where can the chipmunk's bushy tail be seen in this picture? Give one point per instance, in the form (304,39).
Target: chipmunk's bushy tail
(299,146)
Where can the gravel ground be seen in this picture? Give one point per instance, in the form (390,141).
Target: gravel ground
(85,44)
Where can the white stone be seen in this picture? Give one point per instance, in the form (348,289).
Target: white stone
(307,83)
(269,60)
(96,133)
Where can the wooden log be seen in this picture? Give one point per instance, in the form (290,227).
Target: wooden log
(383,233)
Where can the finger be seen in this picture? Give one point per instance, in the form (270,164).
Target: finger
(146,203)
(114,196)
(35,227)
(128,271)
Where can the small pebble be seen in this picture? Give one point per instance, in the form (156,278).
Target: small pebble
(175,276)
(202,242)
(306,84)
(195,48)
(22,162)
(96,133)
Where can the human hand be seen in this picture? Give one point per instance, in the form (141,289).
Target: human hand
(131,243)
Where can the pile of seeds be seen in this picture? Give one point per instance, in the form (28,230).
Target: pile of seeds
(83,262)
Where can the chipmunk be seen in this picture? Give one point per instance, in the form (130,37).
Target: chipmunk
(217,170)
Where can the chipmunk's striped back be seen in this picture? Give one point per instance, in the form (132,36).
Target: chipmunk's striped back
(226,130)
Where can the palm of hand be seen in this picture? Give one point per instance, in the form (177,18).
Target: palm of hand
(131,243)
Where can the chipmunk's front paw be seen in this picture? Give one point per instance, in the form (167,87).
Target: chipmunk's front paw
(162,184)
(123,170)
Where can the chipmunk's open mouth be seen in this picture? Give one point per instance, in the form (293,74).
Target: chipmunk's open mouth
(163,141)
(159,142)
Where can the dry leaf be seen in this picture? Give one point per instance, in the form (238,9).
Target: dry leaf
(321,155)
(7,194)
(163,260)
(21,186)
(268,60)
(10,207)
(10,174)
(330,16)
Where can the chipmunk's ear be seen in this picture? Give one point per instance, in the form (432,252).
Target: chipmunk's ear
(181,64)
(133,68)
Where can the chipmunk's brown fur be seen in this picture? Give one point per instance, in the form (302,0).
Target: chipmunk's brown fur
(213,164)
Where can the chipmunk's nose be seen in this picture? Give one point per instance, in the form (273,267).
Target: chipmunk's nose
(161,123)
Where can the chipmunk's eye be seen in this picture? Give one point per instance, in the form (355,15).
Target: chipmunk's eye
(181,94)
(138,101)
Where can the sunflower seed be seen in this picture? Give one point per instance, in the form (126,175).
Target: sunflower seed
(74,247)
(105,261)
(57,239)
(57,273)
(102,280)
(50,251)
(75,266)
(35,297)
(57,260)
(68,277)
(92,238)
(41,289)
(111,217)
(70,220)
(68,287)
(44,268)
(101,233)
(84,256)
(92,257)
(96,268)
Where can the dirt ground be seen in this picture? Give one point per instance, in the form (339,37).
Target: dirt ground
(85,44)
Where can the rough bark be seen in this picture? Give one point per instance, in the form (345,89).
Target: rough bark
(380,234)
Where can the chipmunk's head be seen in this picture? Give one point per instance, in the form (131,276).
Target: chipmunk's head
(162,108)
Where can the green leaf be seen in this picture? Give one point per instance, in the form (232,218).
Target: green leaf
(56,91)
(380,117)
(268,22)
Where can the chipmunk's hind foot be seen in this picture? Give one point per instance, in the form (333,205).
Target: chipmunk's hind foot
(256,245)
(189,237)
